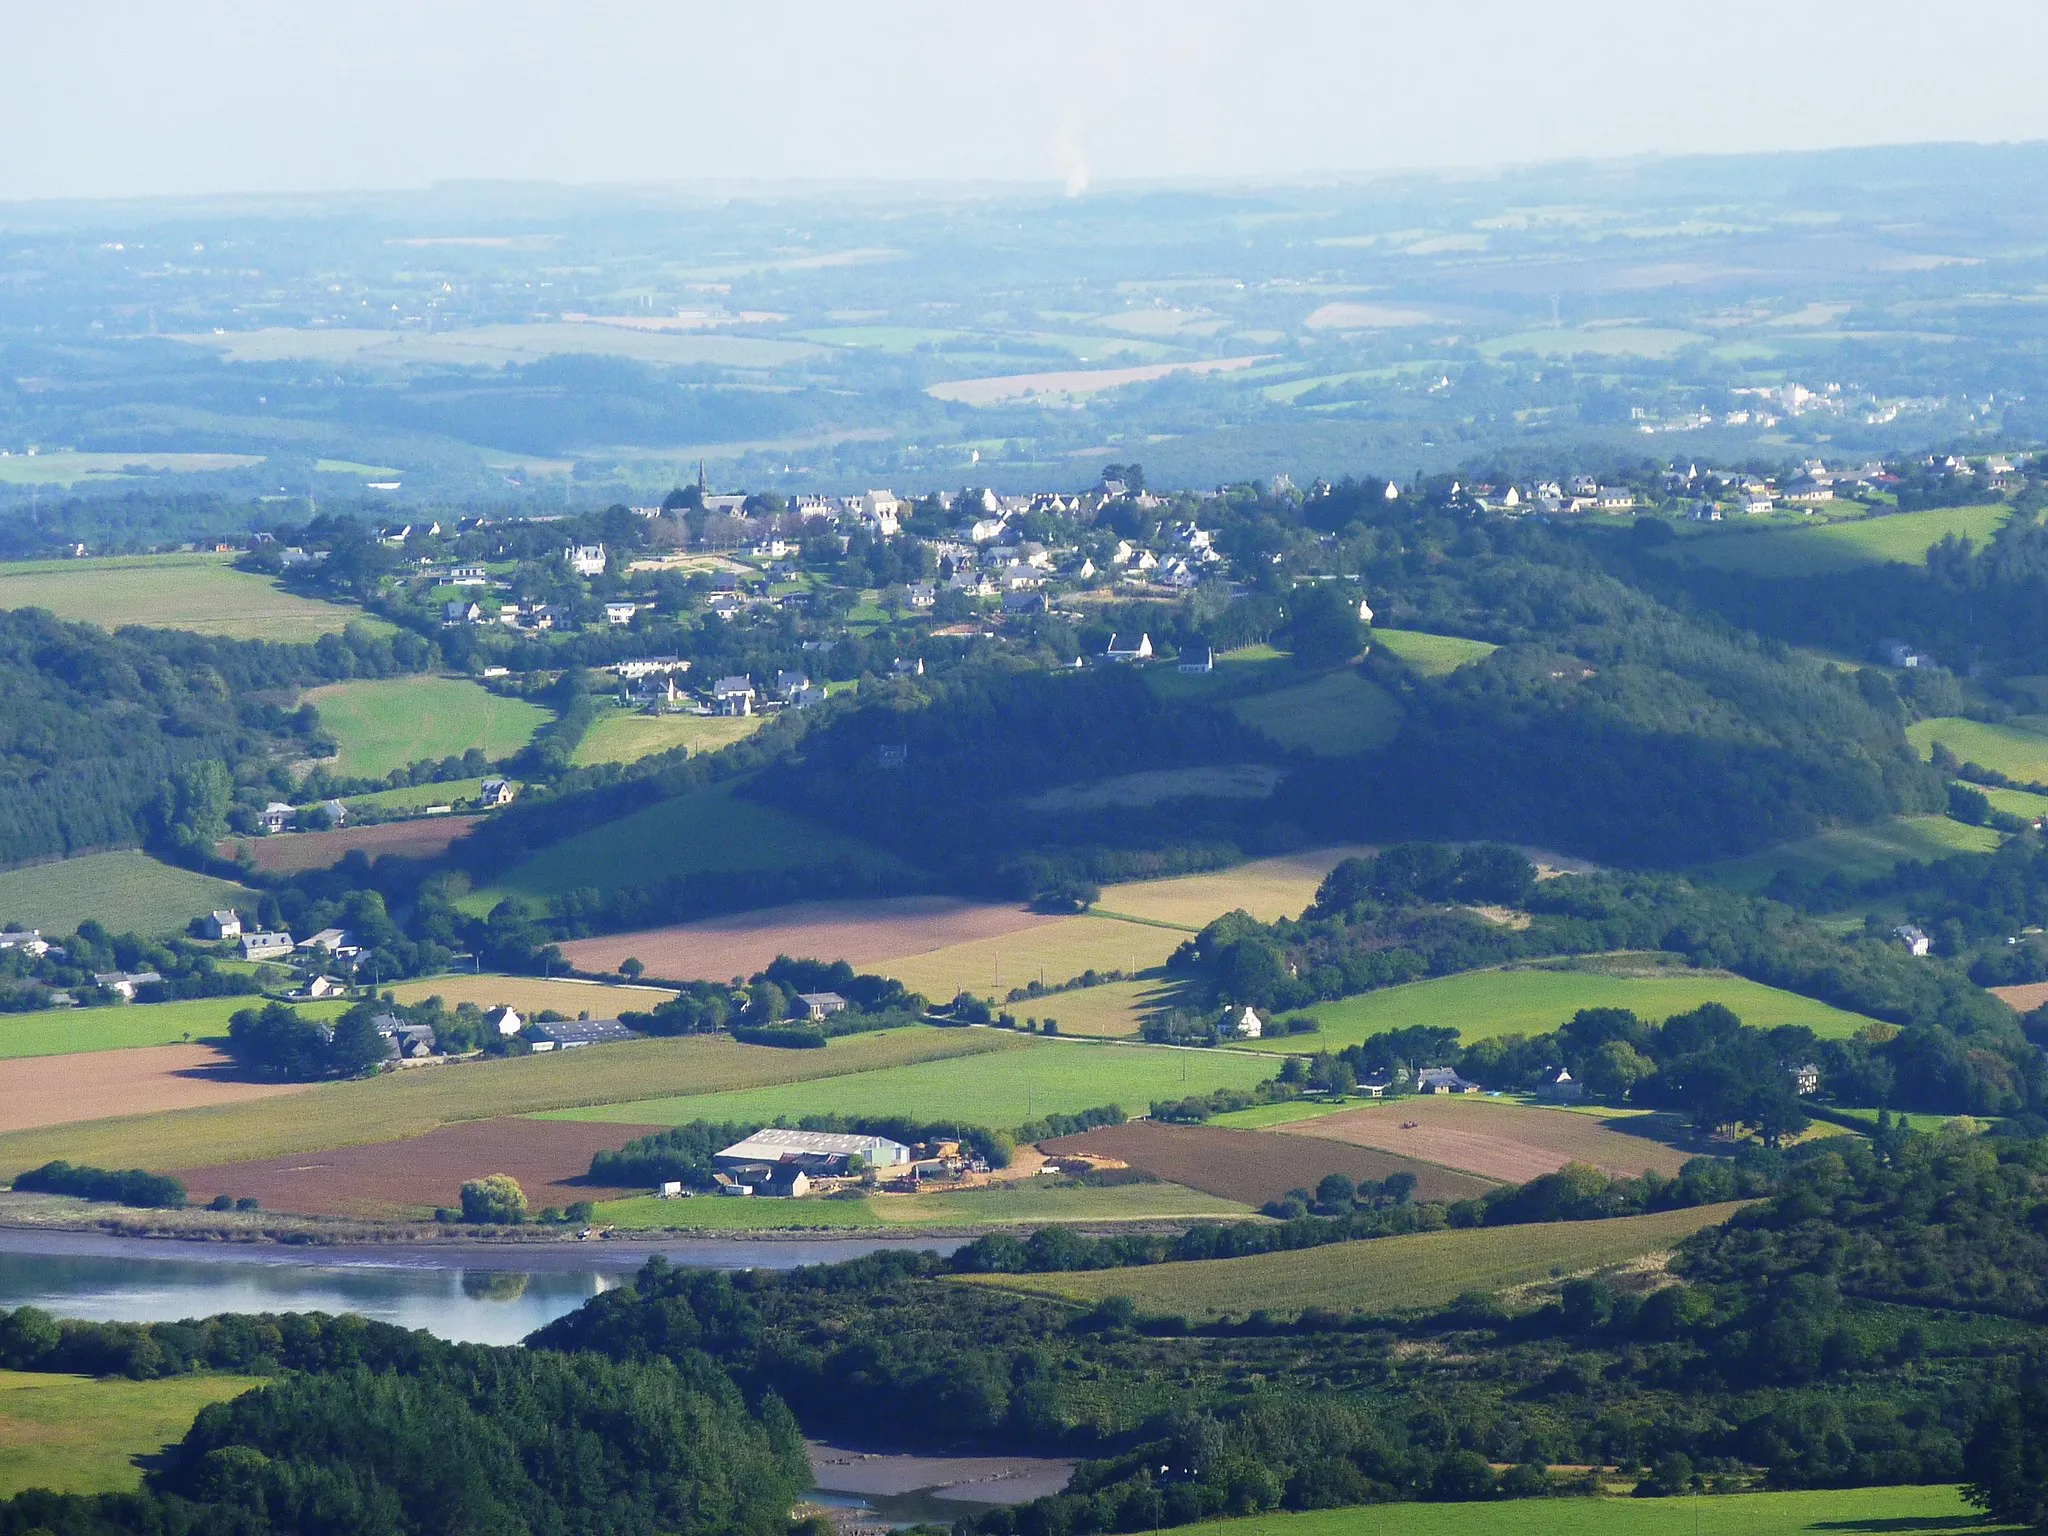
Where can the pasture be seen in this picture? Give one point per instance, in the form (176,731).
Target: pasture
(126,890)
(1338,714)
(2016,802)
(620,737)
(288,853)
(1248,669)
(399,1104)
(1380,1275)
(100,1085)
(1925,1511)
(386,723)
(1433,655)
(202,593)
(1034,1201)
(2013,749)
(1855,853)
(716,1213)
(1512,1143)
(1529,1000)
(1255,1166)
(1845,545)
(1266,888)
(531,994)
(85,1434)
(1603,341)
(1050,951)
(71,468)
(417,797)
(123,1026)
(496,346)
(1037,1077)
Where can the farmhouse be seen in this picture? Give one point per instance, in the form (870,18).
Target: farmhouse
(821,1005)
(493,793)
(568,1034)
(506,1022)
(266,946)
(732,696)
(1560,1085)
(223,925)
(1197,663)
(1120,649)
(29,941)
(124,983)
(317,988)
(1915,941)
(637,667)
(462,613)
(1806,1079)
(585,559)
(1243,1023)
(275,817)
(332,941)
(1442,1080)
(620,613)
(468,576)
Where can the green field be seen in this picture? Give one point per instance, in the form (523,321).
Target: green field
(1433,655)
(1336,715)
(417,797)
(394,722)
(1379,1275)
(2015,802)
(69,1031)
(704,833)
(718,1213)
(1855,853)
(1532,1000)
(1936,1511)
(997,1206)
(1604,341)
(2013,750)
(351,467)
(202,593)
(82,1434)
(1837,546)
(620,737)
(1047,1077)
(1247,669)
(70,468)
(128,891)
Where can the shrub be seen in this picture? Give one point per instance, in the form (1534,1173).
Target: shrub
(497,1198)
(127,1186)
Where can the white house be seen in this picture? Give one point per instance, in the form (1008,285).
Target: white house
(332,941)
(620,613)
(881,512)
(1916,942)
(493,793)
(1244,1023)
(1122,650)
(266,946)
(1442,1080)
(224,925)
(468,576)
(1196,662)
(585,559)
(506,1021)
(1614,498)
(733,696)
(275,817)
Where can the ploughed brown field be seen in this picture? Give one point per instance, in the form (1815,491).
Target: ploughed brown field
(96,1085)
(1254,1166)
(549,1158)
(1509,1142)
(858,932)
(2024,998)
(287,853)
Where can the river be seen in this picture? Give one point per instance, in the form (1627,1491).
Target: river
(472,1294)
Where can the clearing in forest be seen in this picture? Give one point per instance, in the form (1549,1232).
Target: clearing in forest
(393,722)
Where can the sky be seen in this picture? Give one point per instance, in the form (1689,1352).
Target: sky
(125,98)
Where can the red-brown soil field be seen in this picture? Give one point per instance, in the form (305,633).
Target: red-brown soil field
(288,853)
(2024,998)
(549,1158)
(858,932)
(96,1085)
(1506,1141)
(1254,1166)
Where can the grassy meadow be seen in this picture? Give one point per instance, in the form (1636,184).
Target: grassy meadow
(1433,655)
(386,723)
(620,737)
(71,1031)
(1337,714)
(1855,853)
(70,467)
(202,593)
(126,890)
(2012,749)
(82,1434)
(1904,537)
(417,797)
(2015,802)
(1529,1000)
(1000,1091)
(1001,1205)
(1381,1275)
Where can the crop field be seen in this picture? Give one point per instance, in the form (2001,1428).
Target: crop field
(123,1026)
(411,1103)
(37,1091)
(1000,1091)
(2024,998)
(1379,1275)
(417,797)
(1266,888)
(1509,1142)
(83,1434)
(1433,655)
(1075,381)
(289,853)
(1855,853)
(2013,749)
(1113,1011)
(862,933)
(549,1158)
(710,832)
(128,891)
(619,737)
(1336,715)
(1837,546)
(531,994)
(386,723)
(1528,1000)
(202,593)
(70,468)
(1052,952)
(1255,1166)
(1925,1511)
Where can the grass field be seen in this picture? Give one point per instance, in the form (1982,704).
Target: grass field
(1925,1511)
(530,994)
(704,833)
(619,737)
(1248,669)
(417,797)
(2013,750)
(1112,1011)
(1049,952)
(2015,802)
(128,891)
(1433,655)
(1000,1091)
(413,1103)
(1531,1000)
(716,1213)
(1266,888)
(81,1434)
(1381,1275)
(1838,546)
(202,593)
(389,723)
(65,1031)
(1335,715)
(68,469)
(1855,853)
(1000,1206)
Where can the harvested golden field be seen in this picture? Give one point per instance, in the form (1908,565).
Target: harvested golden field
(2024,998)
(421,1099)
(1255,1166)
(858,932)
(1052,950)
(1379,1275)
(1112,1011)
(530,994)
(288,853)
(1510,1142)
(1266,888)
(96,1085)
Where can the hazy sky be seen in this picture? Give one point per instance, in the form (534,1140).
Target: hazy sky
(128,97)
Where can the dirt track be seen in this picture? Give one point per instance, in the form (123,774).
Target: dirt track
(1511,1142)
(858,932)
(95,1085)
